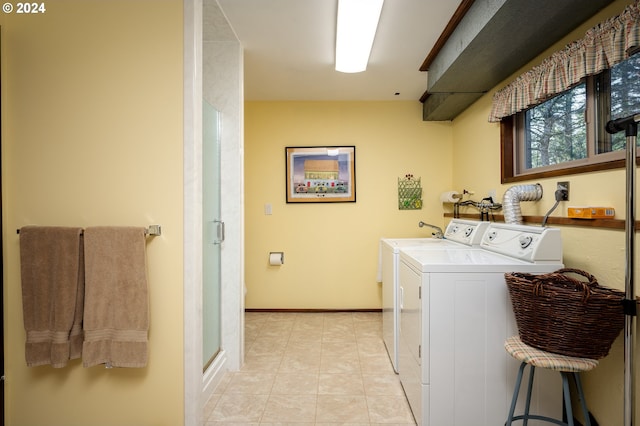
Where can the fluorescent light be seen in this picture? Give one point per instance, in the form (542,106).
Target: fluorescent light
(356,29)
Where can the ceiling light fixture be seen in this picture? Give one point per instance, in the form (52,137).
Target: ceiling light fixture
(356,29)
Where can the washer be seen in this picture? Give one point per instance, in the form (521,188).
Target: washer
(455,315)
(459,233)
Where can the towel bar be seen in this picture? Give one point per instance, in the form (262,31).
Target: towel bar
(151,231)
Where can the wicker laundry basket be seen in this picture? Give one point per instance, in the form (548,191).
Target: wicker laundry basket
(558,313)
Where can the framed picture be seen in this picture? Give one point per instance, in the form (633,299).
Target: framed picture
(321,174)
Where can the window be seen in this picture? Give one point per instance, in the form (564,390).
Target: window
(555,131)
(566,134)
(618,96)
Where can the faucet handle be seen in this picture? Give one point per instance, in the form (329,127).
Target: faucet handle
(438,234)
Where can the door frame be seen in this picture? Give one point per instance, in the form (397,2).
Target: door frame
(232,297)
(2,257)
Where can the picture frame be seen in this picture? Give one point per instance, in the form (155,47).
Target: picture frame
(320,174)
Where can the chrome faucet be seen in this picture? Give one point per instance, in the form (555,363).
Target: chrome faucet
(437,234)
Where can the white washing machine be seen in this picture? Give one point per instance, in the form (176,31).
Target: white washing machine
(455,315)
(459,233)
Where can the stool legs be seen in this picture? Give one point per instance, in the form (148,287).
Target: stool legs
(583,402)
(567,399)
(515,394)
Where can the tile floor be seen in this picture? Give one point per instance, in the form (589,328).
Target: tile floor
(311,369)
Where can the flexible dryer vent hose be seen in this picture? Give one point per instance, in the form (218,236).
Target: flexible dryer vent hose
(512,198)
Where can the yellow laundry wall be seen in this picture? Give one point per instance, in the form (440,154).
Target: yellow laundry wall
(331,249)
(92,135)
(598,251)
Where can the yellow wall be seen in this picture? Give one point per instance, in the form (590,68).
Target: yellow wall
(599,251)
(92,135)
(331,250)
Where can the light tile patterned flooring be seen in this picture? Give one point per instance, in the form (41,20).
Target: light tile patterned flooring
(311,368)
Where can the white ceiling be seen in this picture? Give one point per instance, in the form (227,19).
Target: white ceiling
(289,48)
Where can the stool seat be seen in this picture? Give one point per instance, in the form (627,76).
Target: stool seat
(539,358)
(566,365)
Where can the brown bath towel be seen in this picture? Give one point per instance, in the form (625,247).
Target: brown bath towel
(116,306)
(52,293)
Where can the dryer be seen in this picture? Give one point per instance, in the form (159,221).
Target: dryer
(455,315)
(459,233)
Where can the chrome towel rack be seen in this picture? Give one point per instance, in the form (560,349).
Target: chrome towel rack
(151,231)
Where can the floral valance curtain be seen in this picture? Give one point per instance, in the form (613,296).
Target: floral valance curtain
(602,46)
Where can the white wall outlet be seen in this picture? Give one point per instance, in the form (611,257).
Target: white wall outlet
(267,209)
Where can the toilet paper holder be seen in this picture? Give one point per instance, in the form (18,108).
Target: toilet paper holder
(276,258)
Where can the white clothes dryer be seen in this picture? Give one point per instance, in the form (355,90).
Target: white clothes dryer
(460,233)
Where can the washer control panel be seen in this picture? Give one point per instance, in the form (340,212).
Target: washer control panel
(468,232)
(529,243)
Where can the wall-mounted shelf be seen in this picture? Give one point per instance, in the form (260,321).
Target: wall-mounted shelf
(565,221)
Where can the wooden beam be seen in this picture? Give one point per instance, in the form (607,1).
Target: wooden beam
(460,12)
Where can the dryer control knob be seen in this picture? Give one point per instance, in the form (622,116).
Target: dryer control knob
(525,241)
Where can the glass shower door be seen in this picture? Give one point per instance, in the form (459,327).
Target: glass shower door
(213,229)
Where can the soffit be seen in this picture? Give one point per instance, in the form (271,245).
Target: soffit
(493,40)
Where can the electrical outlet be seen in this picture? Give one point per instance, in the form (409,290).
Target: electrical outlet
(562,191)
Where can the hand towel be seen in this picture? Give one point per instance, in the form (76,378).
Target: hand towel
(76,336)
(52,293)
(116,305)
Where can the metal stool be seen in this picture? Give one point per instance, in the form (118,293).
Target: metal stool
(566,365)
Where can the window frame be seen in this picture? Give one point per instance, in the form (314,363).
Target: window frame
(511,144)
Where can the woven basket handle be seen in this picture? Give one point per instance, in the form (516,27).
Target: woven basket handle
(561,275)
(592,281)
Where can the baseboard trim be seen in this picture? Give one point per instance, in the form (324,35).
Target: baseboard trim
(213,375)
(309,310)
